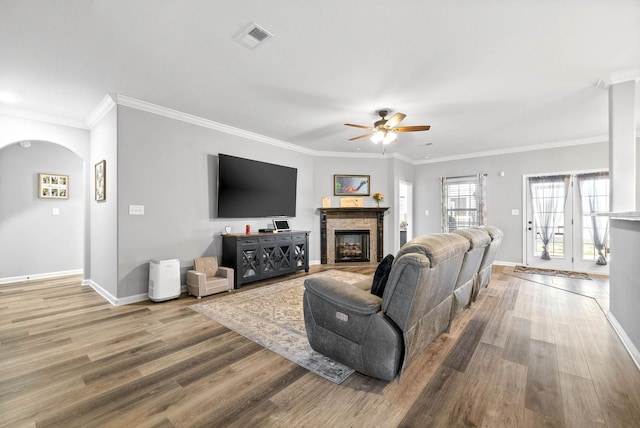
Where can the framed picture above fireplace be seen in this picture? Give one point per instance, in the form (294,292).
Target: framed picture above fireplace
(351,185)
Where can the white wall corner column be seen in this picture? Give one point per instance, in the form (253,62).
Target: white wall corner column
(622,146)
(624,271)
(624,278)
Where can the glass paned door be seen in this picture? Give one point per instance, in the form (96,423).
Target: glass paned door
(562,232)
(549,229)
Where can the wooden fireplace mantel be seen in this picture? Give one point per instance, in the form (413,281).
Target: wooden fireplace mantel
(327,214)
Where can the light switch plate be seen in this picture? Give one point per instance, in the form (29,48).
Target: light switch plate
(515,211)
(136,209)
(55,211)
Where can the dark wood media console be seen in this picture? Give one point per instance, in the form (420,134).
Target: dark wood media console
(259,256)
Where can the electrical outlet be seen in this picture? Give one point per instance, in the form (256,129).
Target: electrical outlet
(55,211)
(515,211)
(426,212)
(136,209)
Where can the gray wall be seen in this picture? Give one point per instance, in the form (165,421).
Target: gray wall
(169,167)
(102,252)
(33,241)
(503,193)
(625,280)
(324,168)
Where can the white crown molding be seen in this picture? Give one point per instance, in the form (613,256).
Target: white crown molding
(624,75)
(351,154)
(520,149)
(100,111)
(22,114)
(404,158)
(205,123)
(111,100)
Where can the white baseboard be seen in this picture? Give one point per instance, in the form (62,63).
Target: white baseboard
(101,291)
(38,276)
(626,340)
(113,299)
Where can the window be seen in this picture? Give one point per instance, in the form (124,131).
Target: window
(463,202)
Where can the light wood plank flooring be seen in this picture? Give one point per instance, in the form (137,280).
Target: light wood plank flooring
(525,355)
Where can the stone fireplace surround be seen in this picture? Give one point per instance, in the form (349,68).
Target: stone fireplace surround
(332,219)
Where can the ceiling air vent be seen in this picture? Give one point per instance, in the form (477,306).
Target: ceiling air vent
(252,36)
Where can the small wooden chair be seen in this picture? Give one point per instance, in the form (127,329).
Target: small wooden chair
(207,277)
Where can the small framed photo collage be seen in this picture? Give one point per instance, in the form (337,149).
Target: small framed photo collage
(53,186)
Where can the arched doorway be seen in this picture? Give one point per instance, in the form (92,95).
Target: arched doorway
(40,237)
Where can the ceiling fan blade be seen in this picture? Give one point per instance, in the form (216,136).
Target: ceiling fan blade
(411,128)
(361,136)
(359,126)
(394,120)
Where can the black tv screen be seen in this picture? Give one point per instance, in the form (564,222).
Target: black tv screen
(250,188)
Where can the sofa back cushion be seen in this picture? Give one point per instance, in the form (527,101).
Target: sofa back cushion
(437,247)
(479,241)
(496,239)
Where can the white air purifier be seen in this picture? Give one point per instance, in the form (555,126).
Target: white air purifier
(164,280)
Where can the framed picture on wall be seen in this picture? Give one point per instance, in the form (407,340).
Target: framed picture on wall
(53,186)
(101,180)
(351,185)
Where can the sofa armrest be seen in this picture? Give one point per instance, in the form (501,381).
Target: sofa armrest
(227,272)
(196,279)
(342,295)
(224,272)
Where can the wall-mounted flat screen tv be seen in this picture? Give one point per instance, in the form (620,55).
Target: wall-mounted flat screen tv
(250,188)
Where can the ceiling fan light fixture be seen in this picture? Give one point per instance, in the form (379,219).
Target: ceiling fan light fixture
(378,136)
(390,137)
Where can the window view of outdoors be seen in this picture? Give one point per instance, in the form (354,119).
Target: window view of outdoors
(461,198)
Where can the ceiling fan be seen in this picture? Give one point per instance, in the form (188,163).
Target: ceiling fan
(385,130)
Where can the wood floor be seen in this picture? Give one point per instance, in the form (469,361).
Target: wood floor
(525,355)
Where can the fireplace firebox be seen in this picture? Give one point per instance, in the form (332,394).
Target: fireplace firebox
(352,246)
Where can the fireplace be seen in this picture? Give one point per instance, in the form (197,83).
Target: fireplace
(352,219)
(352,246)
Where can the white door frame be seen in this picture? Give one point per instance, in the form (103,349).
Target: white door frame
(409,196)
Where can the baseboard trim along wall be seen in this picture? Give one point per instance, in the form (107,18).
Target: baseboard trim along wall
(38,276)
(101,291)
(113,299)
(626,340)
(123,301)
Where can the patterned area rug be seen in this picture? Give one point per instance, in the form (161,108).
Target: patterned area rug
(553,272)
(272,317)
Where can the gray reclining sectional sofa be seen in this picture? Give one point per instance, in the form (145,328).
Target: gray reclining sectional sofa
(432,279)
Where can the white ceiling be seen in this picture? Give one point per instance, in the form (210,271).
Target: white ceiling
(488,75)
